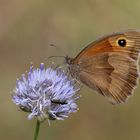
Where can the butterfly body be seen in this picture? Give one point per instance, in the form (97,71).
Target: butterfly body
(109,65)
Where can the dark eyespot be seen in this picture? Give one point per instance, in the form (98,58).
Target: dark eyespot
(122,42)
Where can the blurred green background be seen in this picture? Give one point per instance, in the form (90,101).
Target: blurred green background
(27,28)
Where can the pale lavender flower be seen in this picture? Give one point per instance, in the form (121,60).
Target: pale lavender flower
(46,93)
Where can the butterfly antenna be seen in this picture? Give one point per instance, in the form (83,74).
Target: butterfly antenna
(59,49)
(56,56)
(50,57)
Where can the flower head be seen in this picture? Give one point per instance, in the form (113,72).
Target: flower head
(46,93)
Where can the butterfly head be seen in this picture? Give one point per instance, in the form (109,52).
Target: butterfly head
(68,60)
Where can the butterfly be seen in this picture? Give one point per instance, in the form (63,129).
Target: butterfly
(109,65)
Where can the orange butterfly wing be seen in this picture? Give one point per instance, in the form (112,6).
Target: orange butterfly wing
(109,65)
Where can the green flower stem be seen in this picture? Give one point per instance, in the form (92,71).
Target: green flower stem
(37,130)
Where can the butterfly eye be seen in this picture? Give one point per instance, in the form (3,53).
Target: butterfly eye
(122,42)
